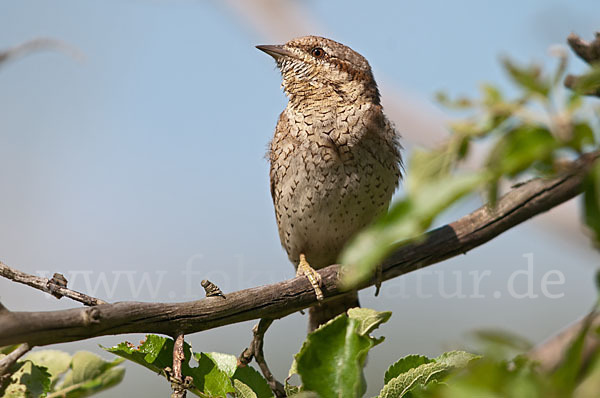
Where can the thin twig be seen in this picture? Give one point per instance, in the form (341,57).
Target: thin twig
(255,350)
(57,286)
(177,382)
(10,359)
(280,299)
(587,51)
(39,44)
(211,289)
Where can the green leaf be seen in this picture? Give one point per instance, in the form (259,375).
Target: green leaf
(28,380)
(520,148)
(212,376)
(491,94)
(591,200)
(251,378)
(89,375)
(566,376)
(331,359)
(8,349)
(242,390)
(590,385)
(227,363)
(529,78)
(208,378)
(504,338)
(368,319)
(290,389)
(589,83)
(403,365)
(421,375)
(459,103)
(405,221)
(56,362)
(155,353)
(583,136)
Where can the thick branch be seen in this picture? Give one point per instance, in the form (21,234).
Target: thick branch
(280,299)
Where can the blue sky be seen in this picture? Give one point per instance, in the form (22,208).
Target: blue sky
(147,155)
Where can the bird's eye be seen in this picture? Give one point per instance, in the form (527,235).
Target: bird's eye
(317,52)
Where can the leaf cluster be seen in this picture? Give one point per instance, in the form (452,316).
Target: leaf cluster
(53,373)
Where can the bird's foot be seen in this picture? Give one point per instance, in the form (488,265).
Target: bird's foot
(304,269)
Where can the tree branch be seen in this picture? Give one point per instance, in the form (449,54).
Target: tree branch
(57,286)
(551,353)
(9,360)
(255,350)
(587,51)
(273,301)
(36,45)
(177,382)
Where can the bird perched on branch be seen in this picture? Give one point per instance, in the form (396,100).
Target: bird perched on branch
(334,159)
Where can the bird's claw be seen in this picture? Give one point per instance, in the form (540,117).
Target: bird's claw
(304,269)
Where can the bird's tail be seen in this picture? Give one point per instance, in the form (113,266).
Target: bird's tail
(320,314)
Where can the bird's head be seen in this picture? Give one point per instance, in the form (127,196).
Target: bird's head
(318,69)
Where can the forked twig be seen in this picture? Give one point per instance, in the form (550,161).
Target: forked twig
(255,350)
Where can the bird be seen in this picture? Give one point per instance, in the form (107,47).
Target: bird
(335,158)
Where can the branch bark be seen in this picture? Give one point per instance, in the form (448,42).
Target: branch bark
(274,301)
(57,286)
(10,359)
(551,353)
(587,51)
(177,381)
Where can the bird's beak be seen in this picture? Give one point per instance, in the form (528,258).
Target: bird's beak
(275,51)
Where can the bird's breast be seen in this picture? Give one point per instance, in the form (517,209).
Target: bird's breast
(326,181)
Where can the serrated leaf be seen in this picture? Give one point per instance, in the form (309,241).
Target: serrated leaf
(368,319)
(209,379)
(290,389)
(89,374)
(225,362)
(331,359)
(242,390)
(254,380)
(56,362)
(156,354)
(404,365)
(423,374)
(28,381)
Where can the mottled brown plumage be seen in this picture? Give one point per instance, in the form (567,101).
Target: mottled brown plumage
(335,157)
